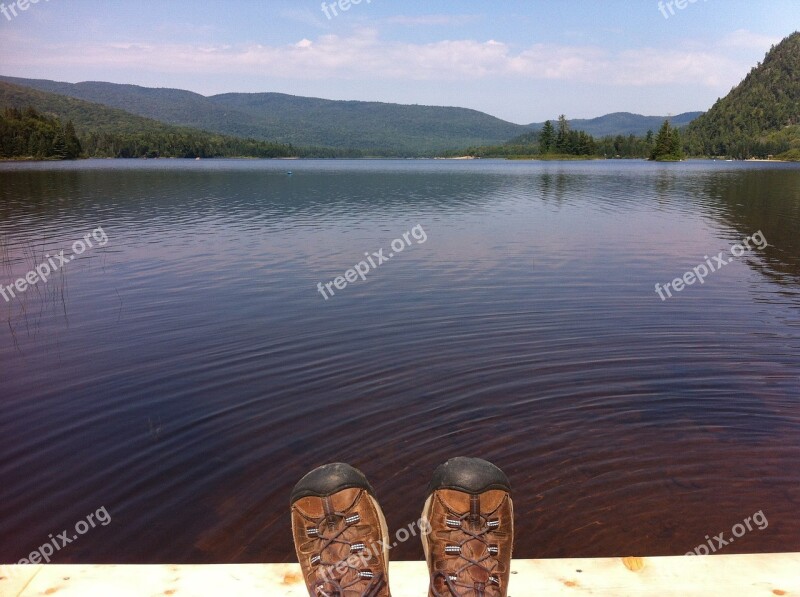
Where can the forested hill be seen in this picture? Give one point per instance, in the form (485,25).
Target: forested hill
(85,115)
(760,115)
(369,127)
(301,121)
(624,123)
(27,133)
(109,132)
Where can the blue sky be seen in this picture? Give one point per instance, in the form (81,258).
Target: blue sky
(521,60)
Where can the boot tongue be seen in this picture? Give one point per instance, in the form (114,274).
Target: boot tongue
(474,518)
(314,507)
(475,550)
(346,500)
(339,552)
(342,574)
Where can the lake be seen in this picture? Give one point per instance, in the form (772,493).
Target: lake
(185,372)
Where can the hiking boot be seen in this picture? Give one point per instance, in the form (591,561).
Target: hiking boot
(340,534)
(471,521)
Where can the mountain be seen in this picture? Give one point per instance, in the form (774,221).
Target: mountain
(409,129)
(85,115)
(759,116)
(368,125)
(105,131)
(624,123)
(380,128)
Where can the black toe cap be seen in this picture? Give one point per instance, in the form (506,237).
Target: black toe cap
(329,479)
(470,475)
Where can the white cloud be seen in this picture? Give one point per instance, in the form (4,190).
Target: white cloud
(748,40)
(648,67)
(305,17)
(363,55)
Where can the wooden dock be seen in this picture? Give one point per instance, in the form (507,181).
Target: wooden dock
(758,575)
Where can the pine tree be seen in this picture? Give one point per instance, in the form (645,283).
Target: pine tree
(675,146)
(546,138)
(73,145)
(562,139)
(58,149)
(668,147)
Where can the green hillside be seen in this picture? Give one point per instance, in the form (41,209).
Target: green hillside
(624,123)
(171,106)
(110,132)
(760,116)
(27,133)
(85,115)
(370,126)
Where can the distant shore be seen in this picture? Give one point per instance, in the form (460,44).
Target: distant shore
(539,158)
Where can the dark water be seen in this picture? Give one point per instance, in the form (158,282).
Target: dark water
(187,373)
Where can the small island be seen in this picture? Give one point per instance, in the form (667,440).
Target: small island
(668,146)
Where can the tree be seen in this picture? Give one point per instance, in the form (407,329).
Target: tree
(73,145)
(562,138)
(668,146)
(547,138)
(59,147)
(583,144)
(760,107)
(675,145)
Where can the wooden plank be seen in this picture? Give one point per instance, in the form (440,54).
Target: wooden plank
(735,575)
(14,579)
(758,575)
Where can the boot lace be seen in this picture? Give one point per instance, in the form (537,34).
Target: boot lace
(470,526)
(337,555)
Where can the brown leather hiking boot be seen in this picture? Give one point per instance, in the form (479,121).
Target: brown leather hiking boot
(340,534)
(471,519)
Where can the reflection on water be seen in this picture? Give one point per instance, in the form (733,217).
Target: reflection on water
(187,373)
(760,201)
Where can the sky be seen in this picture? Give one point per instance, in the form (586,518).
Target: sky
(520,60)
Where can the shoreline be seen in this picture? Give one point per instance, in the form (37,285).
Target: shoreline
(431,158)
